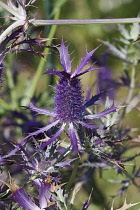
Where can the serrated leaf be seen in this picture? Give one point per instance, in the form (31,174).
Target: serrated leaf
(133,103)
(60,199)
(114,49)
(124,41)
(124,31)
(134,31)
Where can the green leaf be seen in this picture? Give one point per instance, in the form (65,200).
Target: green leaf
(124,31)
(58,4)
(114,49)
(134,31)
(75,191)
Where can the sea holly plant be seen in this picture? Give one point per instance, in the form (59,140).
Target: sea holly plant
(20,16)
(69,105)
(84,133)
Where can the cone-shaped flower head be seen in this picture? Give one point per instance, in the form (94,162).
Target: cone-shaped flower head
(68,100)
(69,105)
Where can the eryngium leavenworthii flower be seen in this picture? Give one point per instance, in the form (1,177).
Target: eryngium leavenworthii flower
(69,105)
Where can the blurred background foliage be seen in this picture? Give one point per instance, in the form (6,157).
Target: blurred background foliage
(80,37)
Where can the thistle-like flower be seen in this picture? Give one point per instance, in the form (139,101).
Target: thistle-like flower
(69,105)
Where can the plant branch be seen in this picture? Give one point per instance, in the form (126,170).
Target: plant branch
(73,175)
(84,21)
(11,86)
(132,85)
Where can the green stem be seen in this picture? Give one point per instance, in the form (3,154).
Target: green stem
(130,95)
(132,85)
(41,64)
(11,86)
(5,105)
(73,175)
(84,21)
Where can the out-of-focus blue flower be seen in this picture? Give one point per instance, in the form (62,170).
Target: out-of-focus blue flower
(69,105)
(26,124)
(105,80)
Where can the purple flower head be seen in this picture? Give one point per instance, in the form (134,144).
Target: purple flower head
(104,77)
(106,82)
(69,104)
